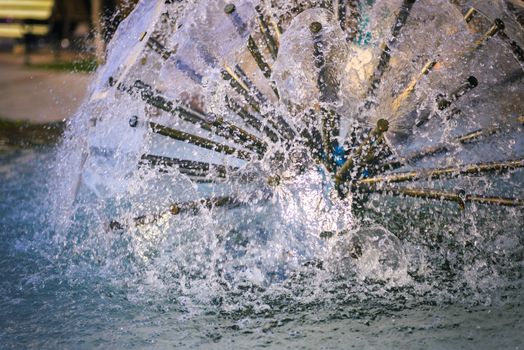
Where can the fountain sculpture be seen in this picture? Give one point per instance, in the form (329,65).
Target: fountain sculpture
(309,109)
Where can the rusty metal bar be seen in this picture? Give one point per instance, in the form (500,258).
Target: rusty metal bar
(432,174)
(180,208)
(460,198)
(271,42)
(218,126)
(366,148)
(385,55)
(189,167)
(198,141)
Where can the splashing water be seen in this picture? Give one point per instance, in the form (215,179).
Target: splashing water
(204,177)
(177,70)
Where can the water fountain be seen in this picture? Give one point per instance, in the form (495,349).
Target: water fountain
(318,174)
(302,115)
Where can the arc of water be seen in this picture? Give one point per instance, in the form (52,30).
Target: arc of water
(497,26)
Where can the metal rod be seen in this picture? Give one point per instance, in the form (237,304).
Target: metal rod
(313,141)
(367,147)
(280,124)
(259,59)
(239,86)
(498,25)
(341,13)
(217,126)
(477,134)
(458,197)
(444,102)
(160,49)
(473,136)
(252,88)
(188,70)
(180,208)
(271,42)
(242,86)
(227,74)
(385,56)
(179,63)
(329,119)
(198,141)
(517,50)
(412,84)
(277,29)
(328,93)
(469,14)
(240,25)
(251,120)
(432,174)
(252,46)
(349,17)
(276,121)
(330,129)
(186,166)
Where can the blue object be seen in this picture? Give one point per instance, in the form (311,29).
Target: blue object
(339,155)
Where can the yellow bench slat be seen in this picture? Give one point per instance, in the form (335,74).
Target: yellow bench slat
(25,14)
(16,30)
(26,3)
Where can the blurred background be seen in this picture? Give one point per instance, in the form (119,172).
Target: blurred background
(48,51)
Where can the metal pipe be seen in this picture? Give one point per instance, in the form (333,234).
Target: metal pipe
(432,174)
(385,56)
(271,42)
(251,120)
(198,141)
(444,102)
(180,208)
(412,84)
(459,197)
(218,126)
(367,147)
(186,166)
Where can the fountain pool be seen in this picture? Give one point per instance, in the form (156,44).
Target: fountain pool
(279,174)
